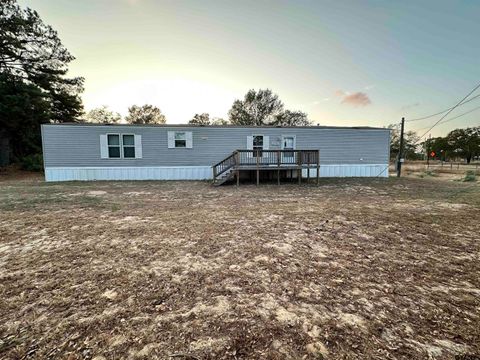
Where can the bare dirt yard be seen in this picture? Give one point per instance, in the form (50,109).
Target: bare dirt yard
(351,269)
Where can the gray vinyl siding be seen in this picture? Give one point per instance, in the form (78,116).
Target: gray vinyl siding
(79,145)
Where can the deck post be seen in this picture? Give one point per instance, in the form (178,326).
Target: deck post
(318,167)
(308,168)
(237,164)
(299,170)
(258,171)
(278,166)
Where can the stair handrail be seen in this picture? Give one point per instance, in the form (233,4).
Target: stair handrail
(224,165)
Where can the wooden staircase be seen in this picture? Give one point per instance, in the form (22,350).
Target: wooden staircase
(224,170)
(226,176)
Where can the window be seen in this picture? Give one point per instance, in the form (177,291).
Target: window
(120,146)
(257,145)
(113,146)
(128,142)
(180,140)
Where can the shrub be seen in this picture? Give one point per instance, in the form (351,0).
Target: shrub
(470,176)
(32,162)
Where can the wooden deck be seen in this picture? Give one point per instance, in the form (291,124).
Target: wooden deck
(266,160)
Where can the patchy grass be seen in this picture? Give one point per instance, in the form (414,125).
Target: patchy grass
(358,268)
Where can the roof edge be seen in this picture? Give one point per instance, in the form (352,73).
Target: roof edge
(218,126)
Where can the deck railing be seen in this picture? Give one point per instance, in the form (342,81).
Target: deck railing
(277,157)
(268,159)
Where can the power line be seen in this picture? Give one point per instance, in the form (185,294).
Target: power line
(441,112)
(449,111)
(456,117)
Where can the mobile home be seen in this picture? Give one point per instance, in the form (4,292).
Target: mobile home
(187,152)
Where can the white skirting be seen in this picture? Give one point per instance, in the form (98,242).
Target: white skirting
(193,172)
(128,173)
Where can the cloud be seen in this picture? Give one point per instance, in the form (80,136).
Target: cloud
(340,93)
(368,87)
(357,99)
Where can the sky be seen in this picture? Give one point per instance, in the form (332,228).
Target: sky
(344,63)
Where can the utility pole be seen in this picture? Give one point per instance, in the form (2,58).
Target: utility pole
(428,149)
(400,150)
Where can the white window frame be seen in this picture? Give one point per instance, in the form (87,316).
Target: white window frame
(265,145)
(175,139)
(289,157)
(171,141)
(121,146)
(253,140)
(131,146)
(289,136)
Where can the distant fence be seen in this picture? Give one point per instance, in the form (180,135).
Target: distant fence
(441,166)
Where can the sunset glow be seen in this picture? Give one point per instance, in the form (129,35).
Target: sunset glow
(343,63)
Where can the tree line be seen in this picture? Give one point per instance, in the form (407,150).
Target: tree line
(457,144)
(258,108)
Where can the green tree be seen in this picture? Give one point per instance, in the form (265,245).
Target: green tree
(292,118)
(103,114)
(411,146)
(145,114)
(220,121)
(200,119)
(440,146)
(34,88)
(263,107)
(32,52)
(257,108)
(464,142)
(23,107)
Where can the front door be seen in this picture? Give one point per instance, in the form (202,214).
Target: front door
(288,143)
(257,145)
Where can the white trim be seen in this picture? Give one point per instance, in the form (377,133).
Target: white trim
(106,155)
(188,140)
(88,173)
(103,146)
(171,139)
(266,145)
(250,142)
(138,146)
